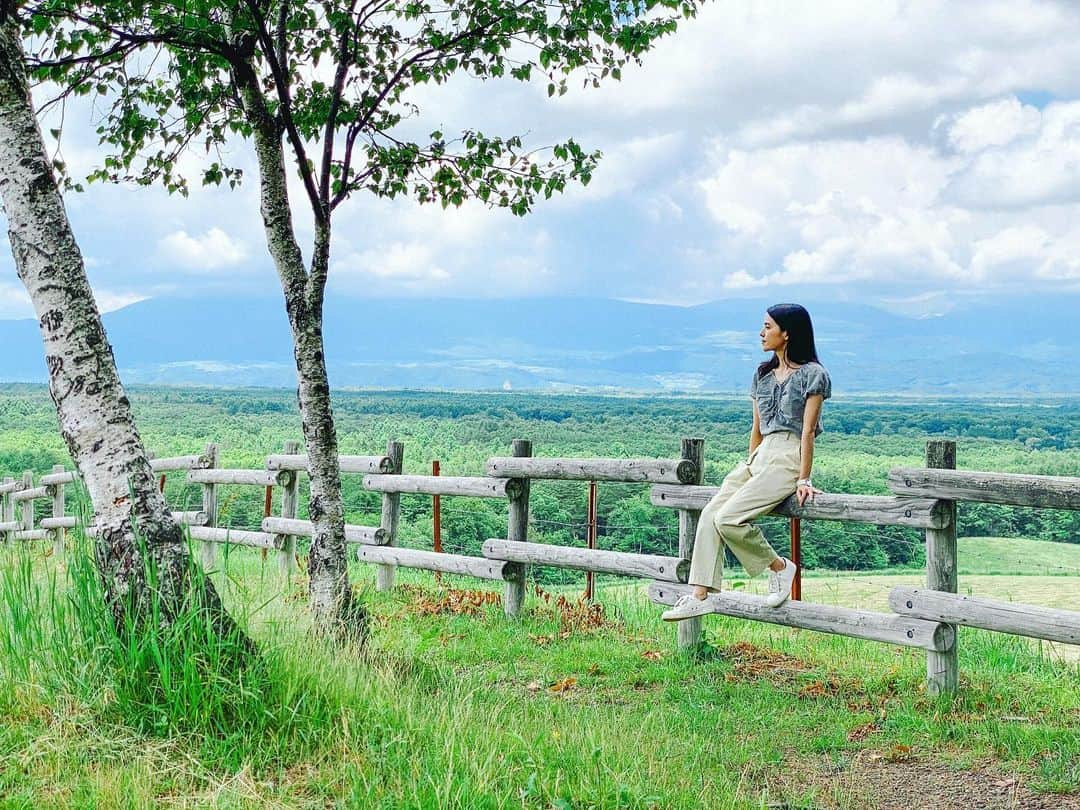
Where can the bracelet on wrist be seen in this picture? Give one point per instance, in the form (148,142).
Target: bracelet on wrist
(804,482)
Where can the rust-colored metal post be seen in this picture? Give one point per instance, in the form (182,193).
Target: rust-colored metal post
(161,483)
(436,517)
(267,501)
(796,557)
(590,577)
(436,510)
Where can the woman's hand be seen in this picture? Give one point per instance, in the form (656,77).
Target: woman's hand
(806,492)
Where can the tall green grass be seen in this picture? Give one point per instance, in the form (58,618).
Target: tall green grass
(165,678)
(457,710)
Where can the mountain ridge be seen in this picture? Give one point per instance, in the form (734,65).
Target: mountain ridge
(578,344)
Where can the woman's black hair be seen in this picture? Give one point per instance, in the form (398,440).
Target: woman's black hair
(795,320)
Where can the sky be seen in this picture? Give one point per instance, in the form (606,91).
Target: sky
(907,155)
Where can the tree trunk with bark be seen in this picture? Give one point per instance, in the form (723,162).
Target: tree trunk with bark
(335,609)
(138,537)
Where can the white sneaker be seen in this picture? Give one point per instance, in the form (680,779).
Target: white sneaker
(780,583)
(687,607)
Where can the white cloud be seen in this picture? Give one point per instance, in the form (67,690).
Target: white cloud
(393,268)
(819,190)
(404,261)
(742,280)
(112,300)
(213,250)
(889,212)
(1038,165)
(777,70)
(904,149)
(993,124)
(627,164)
(14,302)
(1028,250)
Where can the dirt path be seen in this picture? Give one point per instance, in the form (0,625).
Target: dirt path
(876,781)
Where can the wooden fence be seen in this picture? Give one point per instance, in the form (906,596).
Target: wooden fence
(925,498)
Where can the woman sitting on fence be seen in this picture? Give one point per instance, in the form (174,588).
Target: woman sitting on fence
(788,391)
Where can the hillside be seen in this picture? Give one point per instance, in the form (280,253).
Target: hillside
(559,344)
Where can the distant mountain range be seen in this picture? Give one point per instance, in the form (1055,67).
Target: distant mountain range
(1022,346)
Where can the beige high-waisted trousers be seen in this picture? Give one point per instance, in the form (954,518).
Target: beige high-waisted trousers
(751,490)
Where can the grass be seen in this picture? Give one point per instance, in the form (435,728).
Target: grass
(1017,556)
(453,705)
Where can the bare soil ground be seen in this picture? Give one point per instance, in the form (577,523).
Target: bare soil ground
(891,780)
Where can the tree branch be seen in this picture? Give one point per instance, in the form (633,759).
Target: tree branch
(344,62)
(282,44)
(346,166)
(281,85)
(369,10)
(421,55)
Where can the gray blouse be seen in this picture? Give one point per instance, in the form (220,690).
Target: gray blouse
(781,404)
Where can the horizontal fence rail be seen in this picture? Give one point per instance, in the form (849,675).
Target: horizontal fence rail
(70,522)
(58,523)
(59,478)
(30,534)
(239,537)
(158,465)
(885,510)
(193,518)
(670,569)
(32,494)
(349,464)
(630,470)
(1013,489)
(444,485)
(989,614)
(368,535)
(445,563)
(169,463)
(889,628)
(257,478)
(922,498)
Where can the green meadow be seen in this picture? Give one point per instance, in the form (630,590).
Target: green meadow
(451,704)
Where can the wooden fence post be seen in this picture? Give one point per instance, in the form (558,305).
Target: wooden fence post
(7,509)
(27,506)
(391,513)
(942,672)
(689,630)
(517,528)
(289,495)
(58,512)
(208,550)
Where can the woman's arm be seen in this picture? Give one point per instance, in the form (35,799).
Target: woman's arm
(810,419)
(755,431)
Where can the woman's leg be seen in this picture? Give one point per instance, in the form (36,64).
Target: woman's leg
(772,479)
(707,561)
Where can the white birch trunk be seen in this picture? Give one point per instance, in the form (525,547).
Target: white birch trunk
(93,410)
(334,608)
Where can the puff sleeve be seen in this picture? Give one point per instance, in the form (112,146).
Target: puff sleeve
(817,381)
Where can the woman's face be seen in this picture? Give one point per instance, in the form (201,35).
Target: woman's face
(772,338)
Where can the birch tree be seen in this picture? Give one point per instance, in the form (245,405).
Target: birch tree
(326,83)
(140,550)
